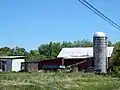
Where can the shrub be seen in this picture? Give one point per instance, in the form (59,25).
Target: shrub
(117,71)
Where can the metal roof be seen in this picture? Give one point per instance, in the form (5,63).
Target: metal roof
(80,52)
(11,57)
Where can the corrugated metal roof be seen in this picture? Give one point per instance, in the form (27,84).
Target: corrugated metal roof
(11,57)
(80,52)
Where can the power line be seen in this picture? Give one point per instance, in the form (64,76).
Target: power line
(97,12)
(101,13)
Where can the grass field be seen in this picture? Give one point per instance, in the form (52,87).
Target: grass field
(62,81)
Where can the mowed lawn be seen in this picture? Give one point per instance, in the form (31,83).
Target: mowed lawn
(60,81)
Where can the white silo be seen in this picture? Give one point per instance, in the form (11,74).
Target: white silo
(100,52)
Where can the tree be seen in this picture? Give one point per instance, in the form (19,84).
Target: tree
(110,43)
(49,51)
(83,43)
(115,59)
(20,52)
(34,55)
(44,50)
(55,49)
(77,43)
(5,51)
(66,44)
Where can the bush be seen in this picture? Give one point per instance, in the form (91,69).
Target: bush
(117,71)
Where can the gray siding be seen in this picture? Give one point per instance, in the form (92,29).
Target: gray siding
(9,65)
(100,53)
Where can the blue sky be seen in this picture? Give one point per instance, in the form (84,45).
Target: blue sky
(29,23)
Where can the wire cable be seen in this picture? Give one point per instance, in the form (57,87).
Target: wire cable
(97,12)
(101,13)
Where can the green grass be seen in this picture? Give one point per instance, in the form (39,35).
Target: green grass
(62,81)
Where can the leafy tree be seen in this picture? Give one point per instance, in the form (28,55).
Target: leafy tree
(34,55)
(45,50)
(77,43)
(18,51)
(115,59)
(83,43)
(110,44)
(66,44)
(5,51)
(55,49)
(49,51)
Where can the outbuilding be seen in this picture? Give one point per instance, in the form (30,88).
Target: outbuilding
(30,66)
(11,63)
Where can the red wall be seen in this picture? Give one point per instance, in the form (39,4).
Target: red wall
(58,61)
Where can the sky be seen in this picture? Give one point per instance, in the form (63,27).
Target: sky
(29,23)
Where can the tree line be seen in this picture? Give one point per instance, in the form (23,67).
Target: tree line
(45,51)
(52,49)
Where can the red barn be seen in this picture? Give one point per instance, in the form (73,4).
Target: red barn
(71,56)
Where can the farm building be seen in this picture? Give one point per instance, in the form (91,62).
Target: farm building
(30,66)
(11,63)
(81,57)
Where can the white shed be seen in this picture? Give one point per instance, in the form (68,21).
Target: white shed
(11,63)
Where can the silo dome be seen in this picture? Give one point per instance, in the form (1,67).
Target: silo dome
(99,34)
